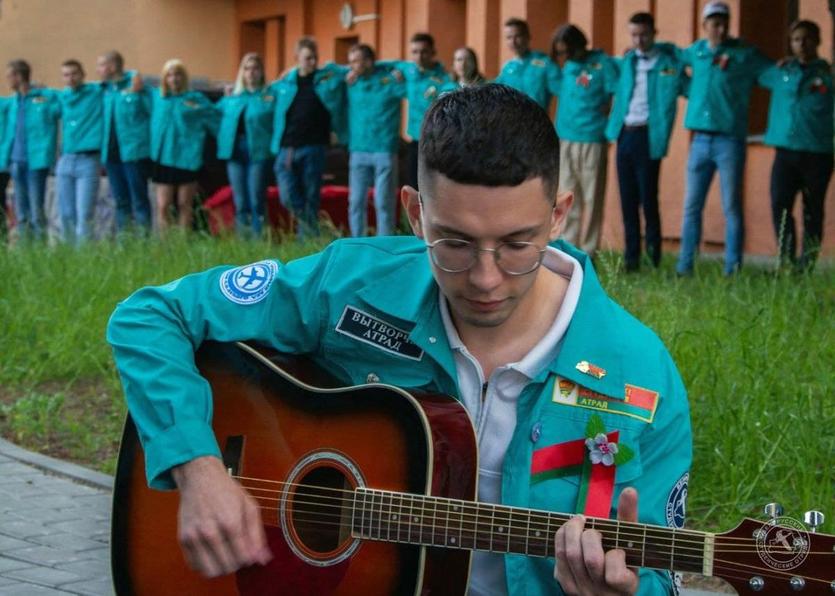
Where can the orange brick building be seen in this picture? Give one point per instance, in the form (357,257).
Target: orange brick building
(211,35)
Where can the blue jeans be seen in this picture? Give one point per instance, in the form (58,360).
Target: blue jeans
(29,192)
(709,152)
(249,189)
(299,174)
(129,187)
(365,169)
(77,184)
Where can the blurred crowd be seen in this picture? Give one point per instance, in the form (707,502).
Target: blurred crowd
(136,131)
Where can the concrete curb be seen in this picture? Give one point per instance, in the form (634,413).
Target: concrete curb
(58,467)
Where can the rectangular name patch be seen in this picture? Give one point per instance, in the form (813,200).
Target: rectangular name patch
(363,327)
(637,402)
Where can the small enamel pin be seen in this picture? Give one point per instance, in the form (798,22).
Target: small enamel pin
(586,367)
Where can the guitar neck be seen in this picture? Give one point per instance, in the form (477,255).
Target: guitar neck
(435,521)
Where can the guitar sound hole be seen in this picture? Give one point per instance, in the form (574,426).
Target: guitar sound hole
(321,509)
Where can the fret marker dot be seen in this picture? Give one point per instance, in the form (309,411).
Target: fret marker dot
(538,533)
(501,529)
(452,540)
(417,519)
(629,544)
(393,517)
(455,507)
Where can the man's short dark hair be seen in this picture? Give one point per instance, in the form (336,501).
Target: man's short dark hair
(489,135)
(643,18)
(423,38)
(307,43)
(72,63)
(116,58)
(519,24)
(20,67)
(810,26)
(366,50)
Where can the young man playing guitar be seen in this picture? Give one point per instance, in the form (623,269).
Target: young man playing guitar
(482,304)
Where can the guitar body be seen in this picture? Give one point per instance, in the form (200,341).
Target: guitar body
(284,428)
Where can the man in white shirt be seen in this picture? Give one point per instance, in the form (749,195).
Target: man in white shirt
(651,79)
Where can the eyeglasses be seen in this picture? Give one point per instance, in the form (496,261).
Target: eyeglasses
(456,256)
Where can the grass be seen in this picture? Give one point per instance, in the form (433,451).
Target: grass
(755,352)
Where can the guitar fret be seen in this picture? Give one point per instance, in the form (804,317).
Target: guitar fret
(527,532)
(380,518)
(501,527)
(517,539)
(410,519)
(469,526)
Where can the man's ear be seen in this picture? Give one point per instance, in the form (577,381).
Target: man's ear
(562,206)
(410,201)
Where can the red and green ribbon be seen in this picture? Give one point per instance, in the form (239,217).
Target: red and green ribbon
(597,481)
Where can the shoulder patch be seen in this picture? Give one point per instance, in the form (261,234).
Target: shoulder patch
(248,284)
(677,502)
(366,328)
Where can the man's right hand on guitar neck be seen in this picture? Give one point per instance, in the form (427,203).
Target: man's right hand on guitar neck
(220,529)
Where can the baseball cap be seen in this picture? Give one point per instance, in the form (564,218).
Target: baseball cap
(715,8)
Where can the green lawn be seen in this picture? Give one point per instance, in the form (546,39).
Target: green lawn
(756,353)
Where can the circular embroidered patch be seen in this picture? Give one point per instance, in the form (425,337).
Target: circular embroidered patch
(248,284)
(676,502)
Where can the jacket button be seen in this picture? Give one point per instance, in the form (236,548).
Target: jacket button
(372,378)
(536,432)
(432,340)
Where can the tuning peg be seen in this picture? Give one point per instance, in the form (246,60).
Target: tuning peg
(813,519)
(773,511)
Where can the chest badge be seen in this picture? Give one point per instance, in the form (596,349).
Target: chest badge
(584,80)
(361,326)
(587,368)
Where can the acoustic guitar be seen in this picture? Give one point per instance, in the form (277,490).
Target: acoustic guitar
(372,490)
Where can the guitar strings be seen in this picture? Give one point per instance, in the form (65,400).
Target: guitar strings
(718,564)
(626,529)
(675,548)
(536,515)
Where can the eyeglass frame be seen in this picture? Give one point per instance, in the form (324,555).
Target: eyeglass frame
(476,250)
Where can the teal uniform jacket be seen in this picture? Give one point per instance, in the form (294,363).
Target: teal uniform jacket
(374,111)
(585,90)
(179,124)
(800,113)
(423,86)
(302,307)
(42,112)
(5,102)
(130,113)
(329,86)
(81,118)
(535,75)
(258,111)
(720,85)
(665,82)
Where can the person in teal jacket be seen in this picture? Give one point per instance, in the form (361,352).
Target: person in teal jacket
(426,79)
(28,150)
(77,172)
(374,96)
(514,326)
(589,78)
(126,141)
(311,103)
(641,121)
(180,120)
(800,128)
(724,70)
(530,71)
(4,172)
(243,140)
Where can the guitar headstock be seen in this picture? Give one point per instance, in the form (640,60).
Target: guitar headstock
(777,556)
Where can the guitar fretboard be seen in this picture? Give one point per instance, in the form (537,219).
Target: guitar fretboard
(434,521)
